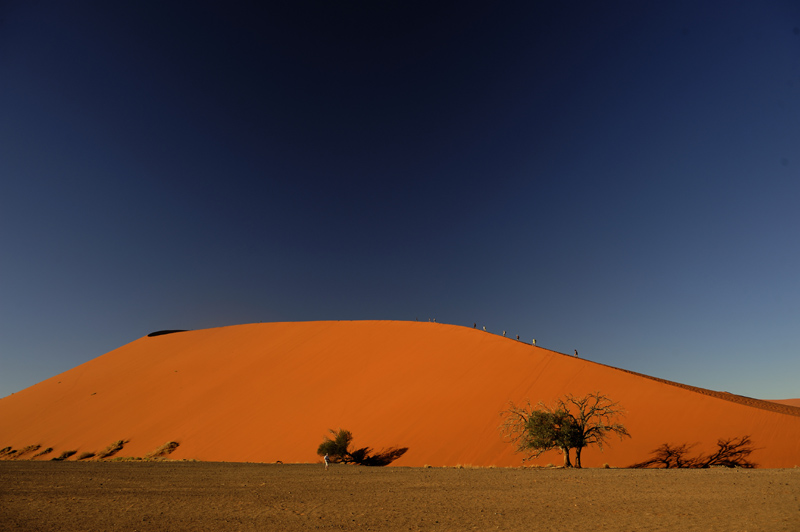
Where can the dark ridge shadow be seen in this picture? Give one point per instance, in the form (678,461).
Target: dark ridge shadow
(166,331)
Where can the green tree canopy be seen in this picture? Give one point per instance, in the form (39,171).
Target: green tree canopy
(572,423)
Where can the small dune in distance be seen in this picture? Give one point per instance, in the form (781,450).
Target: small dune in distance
(270,393)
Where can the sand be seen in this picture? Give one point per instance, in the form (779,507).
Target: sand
(270,392)
(213,496)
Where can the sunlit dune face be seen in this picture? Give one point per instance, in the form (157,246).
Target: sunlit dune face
(270,392)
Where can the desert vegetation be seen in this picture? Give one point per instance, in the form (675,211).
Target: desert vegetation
(163,451)
(63,456)
(111,450)
(571,423)
(338,451)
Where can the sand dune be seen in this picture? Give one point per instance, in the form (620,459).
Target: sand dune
(269,392)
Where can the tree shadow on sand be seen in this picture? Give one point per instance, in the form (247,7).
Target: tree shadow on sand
(337,449)
(731,452)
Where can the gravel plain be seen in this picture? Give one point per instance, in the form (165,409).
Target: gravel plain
(206,496)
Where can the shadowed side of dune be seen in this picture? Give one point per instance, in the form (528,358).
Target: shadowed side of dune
(270,392)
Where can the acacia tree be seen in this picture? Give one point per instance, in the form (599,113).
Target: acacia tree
(535,430)
(572,423)
(338,447)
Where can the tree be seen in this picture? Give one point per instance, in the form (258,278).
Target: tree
(338,450)
(535,431)
(572,423)
(595,416)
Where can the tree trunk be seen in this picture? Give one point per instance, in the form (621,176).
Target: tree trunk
(567,463)
(578,457)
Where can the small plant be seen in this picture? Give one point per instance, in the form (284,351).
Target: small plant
(85,456)
(338,450)
(63,456)
(26,450)
(42,453)
(163,451)
(7,453)
(112,449)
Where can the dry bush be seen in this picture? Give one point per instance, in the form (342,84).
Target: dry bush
(8,453)
(42,453)
(26,450)
(163,451)
(338,451)
(63,456)
(85,456)
(112,449)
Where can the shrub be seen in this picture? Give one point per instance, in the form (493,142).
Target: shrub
(64,456)
(163,451)
(41,453)
(338,450)
(112,449)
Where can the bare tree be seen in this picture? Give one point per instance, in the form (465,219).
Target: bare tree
(572,423)
(595,416)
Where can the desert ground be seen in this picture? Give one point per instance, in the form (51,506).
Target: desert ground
(141,496)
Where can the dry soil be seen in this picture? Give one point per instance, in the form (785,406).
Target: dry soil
(143,496)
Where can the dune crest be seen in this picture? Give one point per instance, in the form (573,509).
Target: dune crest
(270,392)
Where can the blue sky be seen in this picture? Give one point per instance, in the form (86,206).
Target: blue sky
(618,178)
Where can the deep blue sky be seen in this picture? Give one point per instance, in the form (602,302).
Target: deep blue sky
(617,178)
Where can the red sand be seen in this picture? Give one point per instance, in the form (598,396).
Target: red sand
(269,392)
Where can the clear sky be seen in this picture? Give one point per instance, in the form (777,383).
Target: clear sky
(617,178)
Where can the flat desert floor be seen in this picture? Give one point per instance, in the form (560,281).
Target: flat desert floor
(233,496)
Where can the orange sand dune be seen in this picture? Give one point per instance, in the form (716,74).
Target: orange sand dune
(269,392)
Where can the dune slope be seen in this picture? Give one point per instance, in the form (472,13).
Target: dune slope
(269,392)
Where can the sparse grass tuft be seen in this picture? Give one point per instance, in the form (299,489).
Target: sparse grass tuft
(606,466)
(112,449)
(26,450)
(63,456)
(41,453)
(427,466)
(6,453)
(163,451)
